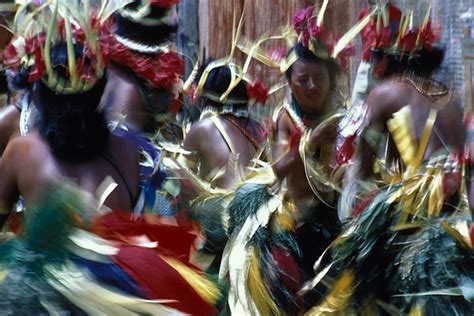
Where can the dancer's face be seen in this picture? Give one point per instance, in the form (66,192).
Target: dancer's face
(310,84)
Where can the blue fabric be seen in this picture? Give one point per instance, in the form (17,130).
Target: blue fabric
(110,274)
(151,179)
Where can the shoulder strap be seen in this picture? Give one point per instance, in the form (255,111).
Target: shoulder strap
(217,122)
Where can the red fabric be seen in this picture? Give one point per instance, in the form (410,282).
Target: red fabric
(290,274)
(175,240)
(159,280)
(257,91)
(345,151)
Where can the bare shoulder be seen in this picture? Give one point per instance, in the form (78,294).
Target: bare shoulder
(26,152)
(387,98)
(29,145)
(283,125)
(9,115)
(203,129)
(9,123)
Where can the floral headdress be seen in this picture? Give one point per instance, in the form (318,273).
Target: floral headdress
(391,31)
(79,25)
(156,63)
(308,26)
(307,29)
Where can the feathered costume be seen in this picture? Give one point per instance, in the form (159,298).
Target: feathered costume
(408,249)
(58,265)
(263,258)
(69,258)
(141,48)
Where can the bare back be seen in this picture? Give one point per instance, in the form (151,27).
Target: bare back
(388,98)
(214,153)
(28,166)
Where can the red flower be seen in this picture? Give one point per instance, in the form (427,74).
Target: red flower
(315,30)
(34,44)
(164,71)
(369,39)
(37,70)
(408,42)
(257,91)
(10,55)
(164,3)
(300,18)
(305,37)
(345,54)
(170,69)
(430,35)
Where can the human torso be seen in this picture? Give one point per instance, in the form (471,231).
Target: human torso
(288,124)
(237,140)
(39,167)
(446,134)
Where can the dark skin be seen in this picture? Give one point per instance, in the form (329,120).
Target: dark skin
(9,125)
(28,165)
(310,86)
(388,98)
(211,151)
(121,96)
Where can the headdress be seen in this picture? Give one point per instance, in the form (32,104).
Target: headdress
(393,32)
(308,29)
(141,42)
(256,90)
(77,26)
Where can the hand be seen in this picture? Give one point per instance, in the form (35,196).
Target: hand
(323,135)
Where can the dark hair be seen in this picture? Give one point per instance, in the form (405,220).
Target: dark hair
(144,34)
(305,54)
(423,63)
(72,125)
(218,81)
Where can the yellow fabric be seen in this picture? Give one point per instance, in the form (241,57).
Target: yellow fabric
(207,289)
(337,301)
(258,290)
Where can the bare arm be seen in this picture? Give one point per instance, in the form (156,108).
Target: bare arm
(9,125)
(8,185)
(192,143)
(382,102)
(285,158)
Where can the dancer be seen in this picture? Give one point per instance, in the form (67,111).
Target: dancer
(70,268)
(403,250)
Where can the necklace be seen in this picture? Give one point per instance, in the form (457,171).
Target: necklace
(247,135)
(429,88)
